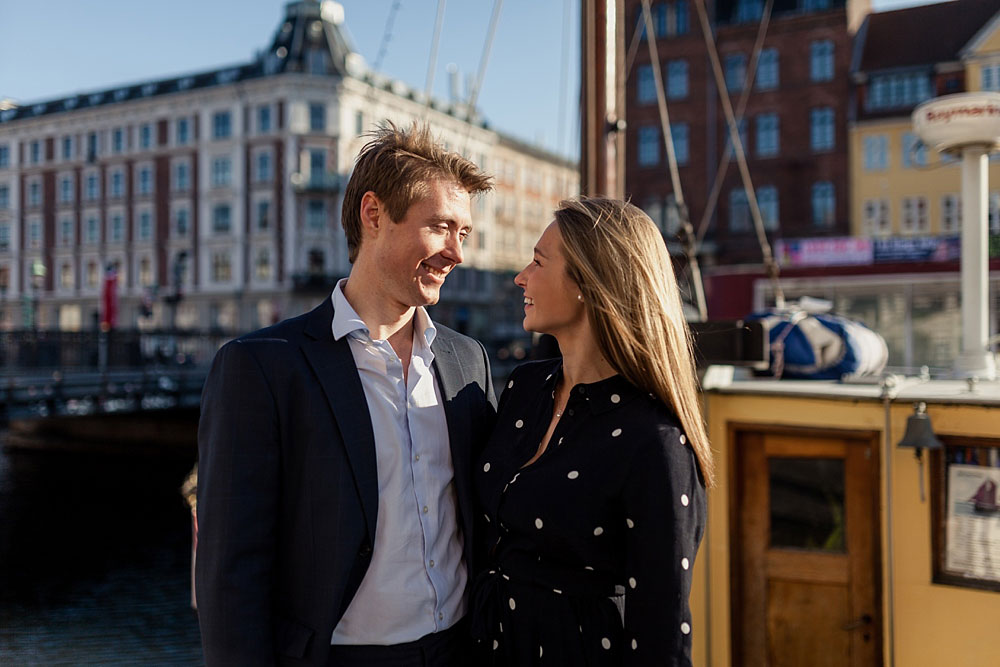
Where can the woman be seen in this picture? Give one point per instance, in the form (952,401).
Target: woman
(592,486)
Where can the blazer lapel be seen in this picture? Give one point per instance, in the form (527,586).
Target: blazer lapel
(338,376)
(452,381)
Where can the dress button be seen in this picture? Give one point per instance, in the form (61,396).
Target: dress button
(570,412)
(582,391)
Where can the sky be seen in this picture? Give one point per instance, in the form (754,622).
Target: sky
(54,48)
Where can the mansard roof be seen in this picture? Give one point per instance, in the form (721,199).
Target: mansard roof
(308,27)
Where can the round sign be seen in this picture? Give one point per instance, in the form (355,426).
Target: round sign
(954,121)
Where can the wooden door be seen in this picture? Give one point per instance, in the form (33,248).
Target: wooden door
(806,566)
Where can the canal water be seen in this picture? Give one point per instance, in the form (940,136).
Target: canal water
(95,556)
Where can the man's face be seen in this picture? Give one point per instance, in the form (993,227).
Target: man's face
(415,254)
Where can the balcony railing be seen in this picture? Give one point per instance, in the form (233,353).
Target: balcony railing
(325,182)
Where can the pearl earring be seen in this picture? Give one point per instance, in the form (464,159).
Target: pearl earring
(579,297)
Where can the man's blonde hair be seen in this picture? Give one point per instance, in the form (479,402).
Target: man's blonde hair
(397,165)
(615,254)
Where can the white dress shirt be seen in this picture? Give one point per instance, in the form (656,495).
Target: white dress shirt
(415,584)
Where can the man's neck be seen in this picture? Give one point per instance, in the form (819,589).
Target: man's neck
(385,319)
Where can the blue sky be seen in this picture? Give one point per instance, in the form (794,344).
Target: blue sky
(56,47)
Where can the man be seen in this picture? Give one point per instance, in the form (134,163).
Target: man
(335,448)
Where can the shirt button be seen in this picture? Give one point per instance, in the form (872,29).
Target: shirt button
(440,616)
(431,563)
(417,457)
(425,509)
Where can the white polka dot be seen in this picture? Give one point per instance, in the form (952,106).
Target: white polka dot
(501,628)
(684,499)
(495,644)
(683,439)
(615,398)
(605,642)
(631,582)
(581,629)
(519,423)
(685,628)
(512,604)
(630,523)
(538,524)
(634,645)
(573,474)
(587,567)
(487,517)
(508,579)
(560,442)
(617,432)
(557,591)
(510,384)
(486,468)
(548,377)
(598,531)
(540,651)
(685,563)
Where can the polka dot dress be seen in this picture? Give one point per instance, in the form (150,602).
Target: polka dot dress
(591,547)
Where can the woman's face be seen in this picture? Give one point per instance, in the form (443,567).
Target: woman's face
(550,296)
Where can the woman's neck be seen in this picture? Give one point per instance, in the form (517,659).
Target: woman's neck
(583,361)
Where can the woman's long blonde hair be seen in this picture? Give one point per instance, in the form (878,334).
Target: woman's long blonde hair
(616,255)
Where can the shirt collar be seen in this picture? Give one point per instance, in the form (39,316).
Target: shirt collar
(346,320)
(601,396)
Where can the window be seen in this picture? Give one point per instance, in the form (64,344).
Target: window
(951,214)
(739,211)
(660,19)
(4,237)
(35,194)
(221,172)
(35,234)
(915,215)
(359,122)
(118,140)
(646,85)
(65,190)
(182,131)
(876,149)
(66,275)
(767,134)
(890,91)
(117,184)
(316,214)
(92,146)
(117,232)
(990,77)
(262,264)
(821,129)
(767,70)
(222,125)
(679,133)
(181,222)
(36,152)
(814,5)
(145,272)
(821,60)
(145,180)
(222,269)
(317,117)
(994,212)
(317,166)
(93,188)
(66,232)
(92,230)
(824,207)
(264,167)
(263,119)
(877,222)
(677,79)
(316,61)
(4,197)
(748,10)
(649,146)
(221,219)
(263,216)
(914,151)
(736,71)
(67,148)
(91,274)
(145,226)
(682,17)
(182,177)
(4,156)
(767,202)
(146,136)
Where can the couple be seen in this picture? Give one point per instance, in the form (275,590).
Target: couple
(363,502)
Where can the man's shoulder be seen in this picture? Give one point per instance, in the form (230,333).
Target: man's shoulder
(464,345)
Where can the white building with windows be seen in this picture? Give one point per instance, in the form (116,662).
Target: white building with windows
(225,185)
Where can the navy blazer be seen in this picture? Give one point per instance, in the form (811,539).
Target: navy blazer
(288,484)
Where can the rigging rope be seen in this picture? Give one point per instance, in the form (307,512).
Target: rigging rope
(432,62)
(687,231)
(563,79)
(481,74)
(770,265)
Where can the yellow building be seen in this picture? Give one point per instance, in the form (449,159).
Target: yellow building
(898,186)
(820,549)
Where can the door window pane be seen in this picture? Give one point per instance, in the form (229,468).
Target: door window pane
(807,503)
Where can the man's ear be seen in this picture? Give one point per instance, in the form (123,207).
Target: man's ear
(372,212)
